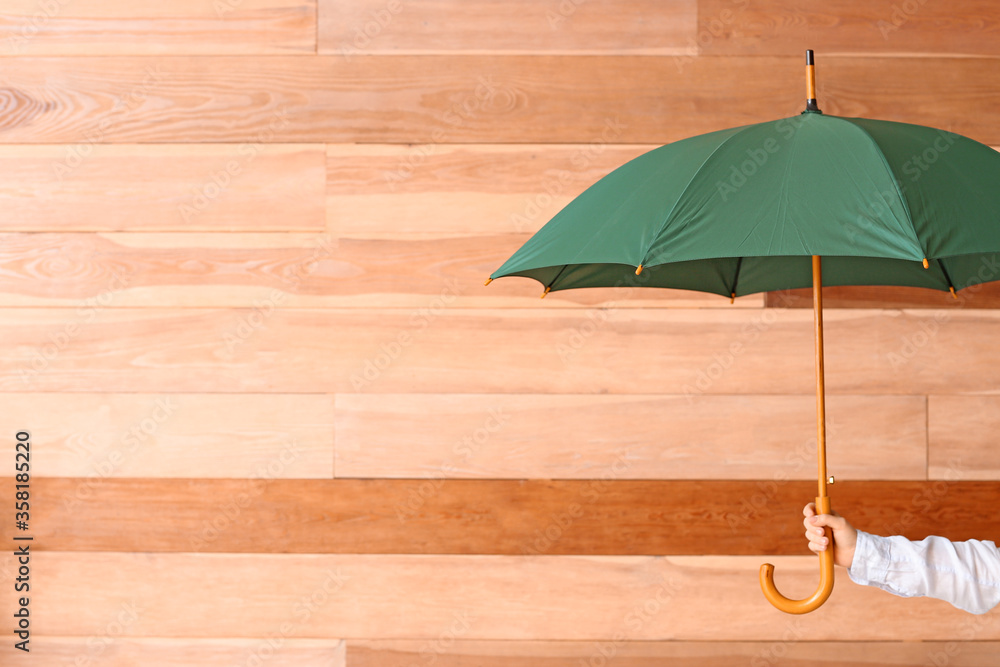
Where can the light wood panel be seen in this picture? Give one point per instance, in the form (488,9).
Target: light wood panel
(851,27)
(634,351)
(604,516)
(351,27)
(628,437)
(290,270)
(90,186)
(96,27)
(110,649)
(962,434)
(456,190)
(466,597)
(99,436)
(795,650)
(495,99)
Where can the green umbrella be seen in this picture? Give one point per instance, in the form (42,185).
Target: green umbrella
(754,208)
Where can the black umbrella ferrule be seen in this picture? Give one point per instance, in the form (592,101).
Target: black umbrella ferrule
(811,83)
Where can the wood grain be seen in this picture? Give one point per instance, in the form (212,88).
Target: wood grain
(795,651)
(143,27)
(99,436)
(471,99)
(986,295)
(466,597)
(452,351)
(351,28)
(962,437)
(462,190)
(110,649)
(842,27)
(633,437)
(602,516)
(292,270)
(250,187)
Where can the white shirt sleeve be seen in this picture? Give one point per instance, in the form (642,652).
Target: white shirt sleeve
(965,574)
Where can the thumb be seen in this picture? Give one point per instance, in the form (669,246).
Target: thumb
(833,521)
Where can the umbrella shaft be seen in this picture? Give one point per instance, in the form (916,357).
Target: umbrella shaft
(817,271)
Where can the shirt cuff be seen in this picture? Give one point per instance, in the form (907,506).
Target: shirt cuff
(871,560)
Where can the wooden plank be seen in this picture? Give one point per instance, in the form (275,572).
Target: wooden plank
(602,516)
(291,270)
(986,295)
(962,437)
(451,351)
(144,27)
(637,437)
(109,649)
(847,27)
(99,436)
(350,27)
(253,186)
(796,651)
(466,597)
(470,99)
(375,189)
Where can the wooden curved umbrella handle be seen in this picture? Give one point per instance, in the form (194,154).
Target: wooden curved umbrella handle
(814,601)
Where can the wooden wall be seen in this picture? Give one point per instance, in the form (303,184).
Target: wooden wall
(277,419)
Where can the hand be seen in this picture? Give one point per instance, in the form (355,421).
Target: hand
(845,537)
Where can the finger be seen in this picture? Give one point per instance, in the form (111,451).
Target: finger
(809,510)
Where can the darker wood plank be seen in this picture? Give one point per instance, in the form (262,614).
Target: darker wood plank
(986,295)
(434,516)
(442,99)
(777,27)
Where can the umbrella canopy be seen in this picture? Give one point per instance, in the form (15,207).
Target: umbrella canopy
(742,210)
(780,205)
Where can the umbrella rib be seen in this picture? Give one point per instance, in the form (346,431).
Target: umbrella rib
(951,285)
(892,179)
(736,276)
(666,219)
